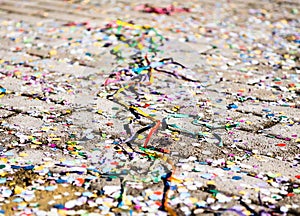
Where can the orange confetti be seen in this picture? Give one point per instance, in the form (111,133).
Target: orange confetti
(80,180)
(70,148)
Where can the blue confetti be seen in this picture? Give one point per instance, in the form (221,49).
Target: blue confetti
(30,167)
(60,181)
(50,188)
(18,200)
(59,206)
(236,178)
(87,194)
(2,90)
(207,176)
(15,167)
(153,197)
(232,106)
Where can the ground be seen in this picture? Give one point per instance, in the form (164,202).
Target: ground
(149,107)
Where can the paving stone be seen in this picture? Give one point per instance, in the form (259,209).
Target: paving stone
(285,130)
(26,18)
(21,10)
(260,142)
(64,68)
(65,17)
(274,108)
(5,113)
(16,57)
(24,123)
(18,86)
(247,91)
(29,105)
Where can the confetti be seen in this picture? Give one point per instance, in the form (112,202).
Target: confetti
(149,109)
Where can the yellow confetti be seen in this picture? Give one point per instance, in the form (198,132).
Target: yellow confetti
(258,52)
(129,25)
(4,160)
(38,168)
(99,111)
(52,52)
(175,108)
(116,48)
(140,46)
(248,122)
(36,142)
(210,183)
(18,189)
(23,154)
(140,136)
(45,129)
(62,212)
(248,212)
(242,192)
(193,199)
(97,44)
(230,163)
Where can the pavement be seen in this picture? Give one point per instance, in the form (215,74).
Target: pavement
(149,107)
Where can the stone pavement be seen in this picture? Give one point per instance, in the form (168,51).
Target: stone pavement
(90,127)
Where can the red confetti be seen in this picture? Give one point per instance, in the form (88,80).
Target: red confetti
(109,124)
(292,85)
(157,192)
(158,203)
(161,10)
(281,144)
(297,176)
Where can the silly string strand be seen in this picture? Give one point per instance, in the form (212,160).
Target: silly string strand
(141,38)
(138,75)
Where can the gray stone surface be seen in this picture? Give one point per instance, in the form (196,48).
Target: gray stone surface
(57,115)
